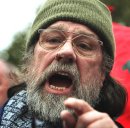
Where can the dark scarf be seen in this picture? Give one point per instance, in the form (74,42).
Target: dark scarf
(17,115)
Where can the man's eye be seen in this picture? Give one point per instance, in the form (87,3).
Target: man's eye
(54,40)
(84,46)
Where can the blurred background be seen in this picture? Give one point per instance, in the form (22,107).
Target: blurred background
(17,17)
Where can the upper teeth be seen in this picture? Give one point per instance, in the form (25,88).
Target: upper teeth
(57,88)
(63,73)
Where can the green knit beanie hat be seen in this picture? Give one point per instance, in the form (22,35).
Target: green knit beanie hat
(91,13)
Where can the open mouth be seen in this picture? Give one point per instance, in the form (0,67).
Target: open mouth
(60,83)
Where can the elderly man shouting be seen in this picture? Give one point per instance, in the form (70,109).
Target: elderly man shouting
(69,56)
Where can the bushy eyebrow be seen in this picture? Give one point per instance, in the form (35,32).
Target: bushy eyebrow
(59,27)
(87,34)
(79,32)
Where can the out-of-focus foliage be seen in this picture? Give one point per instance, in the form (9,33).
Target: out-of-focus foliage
(120,10)
(15,52)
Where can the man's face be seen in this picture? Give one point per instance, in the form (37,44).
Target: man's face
(57,71)
(4,83)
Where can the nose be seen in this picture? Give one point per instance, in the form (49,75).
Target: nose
(66,53)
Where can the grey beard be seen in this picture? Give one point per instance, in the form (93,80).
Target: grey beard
(46,106)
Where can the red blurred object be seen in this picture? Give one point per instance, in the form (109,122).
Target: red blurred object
(121,68)
(111,8)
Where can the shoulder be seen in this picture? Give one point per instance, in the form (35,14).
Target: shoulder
(14,107)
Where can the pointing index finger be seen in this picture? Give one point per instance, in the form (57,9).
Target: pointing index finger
(78,105)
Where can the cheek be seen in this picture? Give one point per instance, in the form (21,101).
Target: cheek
(42,59)
(88,68)
(3,90)
(3,94)
(4,87)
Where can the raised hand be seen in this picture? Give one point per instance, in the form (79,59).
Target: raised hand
(85,116)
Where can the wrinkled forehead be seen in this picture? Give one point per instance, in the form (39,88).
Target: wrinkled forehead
(73,27)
